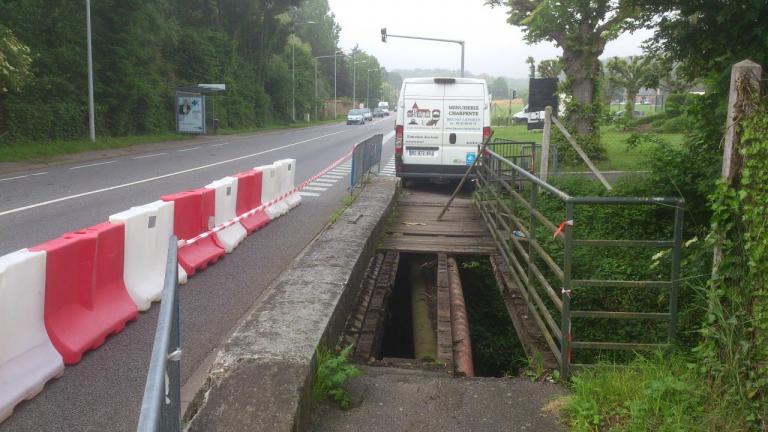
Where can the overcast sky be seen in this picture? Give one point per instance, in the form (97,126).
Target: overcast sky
(492,45)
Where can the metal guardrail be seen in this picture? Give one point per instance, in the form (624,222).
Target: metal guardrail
(548,286)
(161,406)
(365,157)
(525,154)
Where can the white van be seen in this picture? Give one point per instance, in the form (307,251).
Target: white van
(441,123)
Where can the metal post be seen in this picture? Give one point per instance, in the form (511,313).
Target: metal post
(354,76)
(316,116)
(335,101)
(460,42)
(545,141)
(293,82)
(565,319)
(678,239)
(91,119)
(462,59)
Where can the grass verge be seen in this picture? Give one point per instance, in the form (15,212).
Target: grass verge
(42,150)
(653,393)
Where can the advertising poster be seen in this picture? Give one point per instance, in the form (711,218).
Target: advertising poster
(190,116)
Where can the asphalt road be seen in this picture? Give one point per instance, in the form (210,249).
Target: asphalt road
(103,392)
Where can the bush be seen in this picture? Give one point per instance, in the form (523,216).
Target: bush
(331,373)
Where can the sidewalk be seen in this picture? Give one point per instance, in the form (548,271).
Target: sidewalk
(389,399)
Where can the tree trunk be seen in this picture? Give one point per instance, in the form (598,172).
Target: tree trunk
(629,109)
(582,69)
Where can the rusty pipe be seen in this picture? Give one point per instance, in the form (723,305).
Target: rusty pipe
(462,344)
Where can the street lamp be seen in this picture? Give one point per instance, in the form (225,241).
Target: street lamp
(91,121)
(368,87)
(293,71)
(385,35)
(335,100)
(334,79)
(354,77)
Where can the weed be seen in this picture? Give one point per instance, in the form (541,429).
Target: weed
(345,203)
(331,373)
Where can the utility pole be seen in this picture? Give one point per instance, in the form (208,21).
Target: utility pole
(293,69)
(368,88)
(91,119)
(384,37)
(335,98)
(354,78)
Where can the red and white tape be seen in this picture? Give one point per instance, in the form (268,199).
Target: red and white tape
(265,205)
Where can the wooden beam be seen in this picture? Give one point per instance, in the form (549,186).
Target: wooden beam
(581,153)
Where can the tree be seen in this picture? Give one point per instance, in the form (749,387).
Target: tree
(15,62)
(673,81)
(550,68)
(498,88)
(632,75)
(581,28)
(531,67)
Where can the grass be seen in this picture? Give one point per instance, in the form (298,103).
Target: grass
(43,150)
(619,156)
(654,393)
(345,202)
(501,107)
(647,109)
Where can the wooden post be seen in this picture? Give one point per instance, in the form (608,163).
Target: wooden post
(581,153)
(745,80)
(545,141)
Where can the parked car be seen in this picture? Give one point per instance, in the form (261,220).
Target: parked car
(355,116)
(522,116)
(378,112)
(442,123)
(368,114)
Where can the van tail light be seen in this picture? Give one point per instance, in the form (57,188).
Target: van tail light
(486,135)
(399,140)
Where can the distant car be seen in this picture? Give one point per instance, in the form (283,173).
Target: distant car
(368,114)
(378,112)
(385,111)
(522,116)
(355,116)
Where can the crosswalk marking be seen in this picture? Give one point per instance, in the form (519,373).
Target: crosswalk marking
(312,188)
(309,194)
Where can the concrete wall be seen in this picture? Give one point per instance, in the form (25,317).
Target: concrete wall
(262,379)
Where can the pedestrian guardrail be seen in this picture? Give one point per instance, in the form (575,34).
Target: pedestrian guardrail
(525,154)
(540,255)
(366,157)
(161,406)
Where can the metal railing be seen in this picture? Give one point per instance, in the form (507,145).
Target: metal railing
(525,154)
(161,406)
(532,244)
(365,157)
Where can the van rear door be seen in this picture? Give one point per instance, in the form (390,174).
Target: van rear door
(463,130)
(422,123)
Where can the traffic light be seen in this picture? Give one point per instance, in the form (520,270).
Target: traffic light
(384,34)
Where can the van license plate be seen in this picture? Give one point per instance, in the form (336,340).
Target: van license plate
(421,152)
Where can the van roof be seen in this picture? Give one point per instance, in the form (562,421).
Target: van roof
(427,80)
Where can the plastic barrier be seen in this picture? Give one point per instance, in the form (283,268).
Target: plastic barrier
(193,214)
(287,178)
(248,198)
(226,201)
(270,189)
(27,358)
(147,230)
(85,296)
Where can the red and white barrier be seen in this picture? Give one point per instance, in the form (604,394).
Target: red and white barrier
(27,358)
(147,230)
(249,197)
(270,190)
(226,202)
(287,178)
(85,296)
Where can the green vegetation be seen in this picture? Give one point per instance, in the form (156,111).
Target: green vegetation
(145,49)
(345,203)
(330,374)
(649,394)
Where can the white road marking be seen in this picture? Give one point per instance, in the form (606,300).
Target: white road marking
(220,144)
(40,173)
(149,156)
(133,183)
(94,164)
(388,136)
(14,178)
(323,184)
(333,176)
(319,189)
(309,194)
(187,149)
